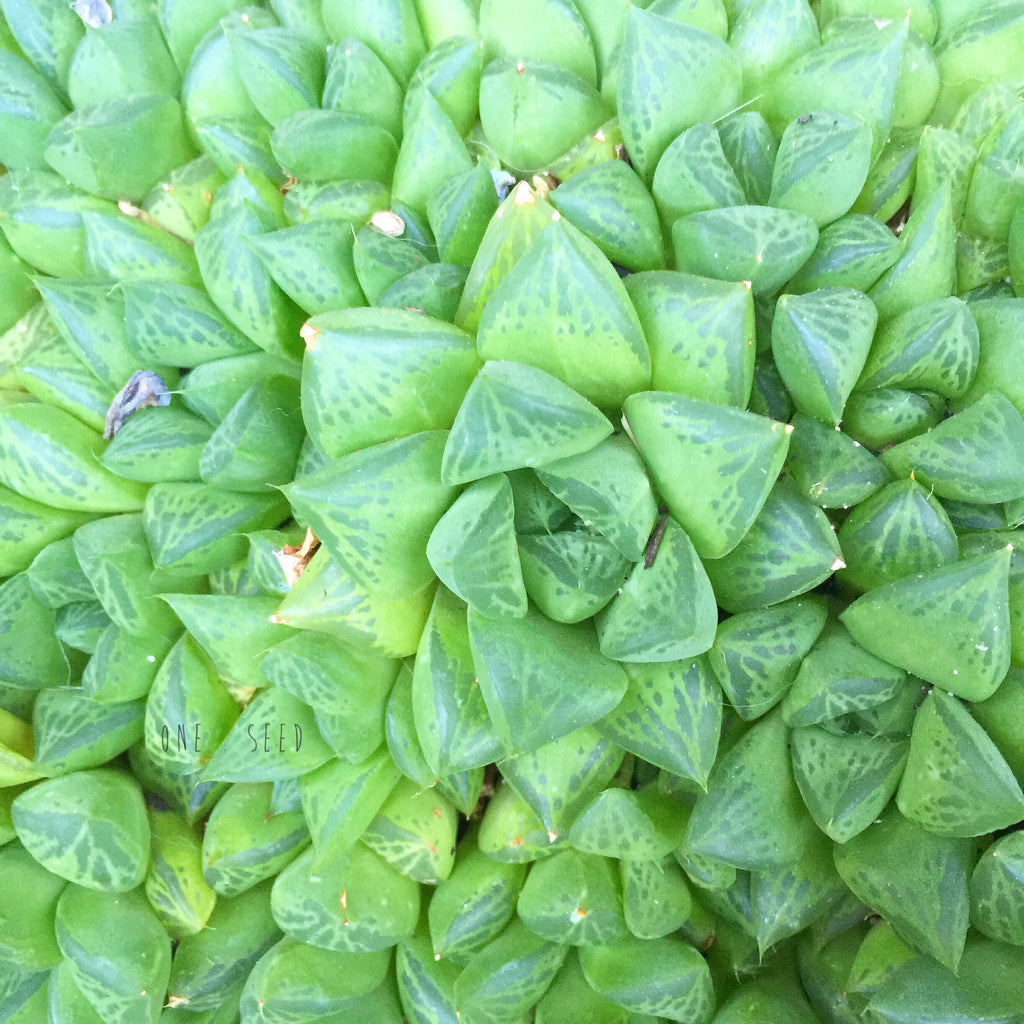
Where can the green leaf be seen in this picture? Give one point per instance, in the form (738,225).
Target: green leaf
(88,827)
(120,248)
(451,718)
(375,508)
(245,841)
(671,716)
(950,625)
(125,981)
(431,153)
(789,549)
(450,72)
(49,456)
(610,205)
(760,244)
(175,886)
(608,489)
(515,415)
(642,825)
(240,930)
(195,528)
(473,549)
(661,977)
(327,599)
(472,906)
(694,174)
(414,831)
(356,903)
(240,285)
(73,731)
(257,444)
(715,465)
(700,333)
(822,164)
(571,574)
(336,679)
(459,211)
(563,309)
(916,880)
(837,677)
(974,455)
(282,71)
(429,364)
(189,710)
(274,738)
(573,897)
(819,342)
(926,266)
(852,252)
(27,941)
(750,147)
(751,815)
(560,778)
(294,979)
(670,76)
(115,554)
(786,900)
(516,100)
(665,611)
(997,905)
(32,656)
(340,799)
(120,148)
(976,791)
(901,529)
(511,832)
(655,897)
(757,654)
(853,76)
(30,528)
(985,987)
(162,445)
(426,985)
(886,416)
(934,345)
(507,977)
(522,665)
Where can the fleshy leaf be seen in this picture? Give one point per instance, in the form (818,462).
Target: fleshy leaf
(563,309)
(751,815)
(916,880)
(956,782)
(513,416)
(670,716)
(714,464)
(819,341)
(522,665)
(473,549)
(950,625)
(665,611)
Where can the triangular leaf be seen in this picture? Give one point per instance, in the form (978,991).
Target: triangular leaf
(956,782)
(513,416)
(820,341)
(950,625)
(563,309)
(916,880)
(473,549)
(522,665)
(714,464)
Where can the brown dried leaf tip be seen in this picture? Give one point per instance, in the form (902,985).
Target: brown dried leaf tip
(293,558)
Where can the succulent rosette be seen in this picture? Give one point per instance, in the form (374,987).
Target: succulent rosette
(508,513)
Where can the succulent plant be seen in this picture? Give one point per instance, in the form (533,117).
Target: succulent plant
(509,514)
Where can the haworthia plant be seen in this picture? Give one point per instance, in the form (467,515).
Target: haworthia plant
(564,566)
